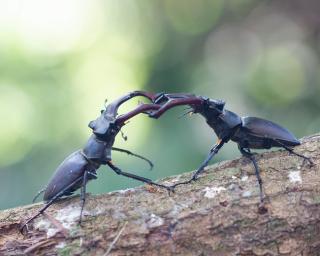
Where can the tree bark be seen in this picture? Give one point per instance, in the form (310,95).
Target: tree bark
(216,215)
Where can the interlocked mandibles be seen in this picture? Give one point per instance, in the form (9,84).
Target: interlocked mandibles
(81,166)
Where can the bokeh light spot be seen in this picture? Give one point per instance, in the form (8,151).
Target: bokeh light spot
(277,77)
(16,111)
(48,27)
(193,17)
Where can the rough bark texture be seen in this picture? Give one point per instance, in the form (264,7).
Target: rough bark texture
(217,215)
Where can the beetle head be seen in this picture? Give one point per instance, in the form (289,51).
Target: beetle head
(210,107)
(104,126)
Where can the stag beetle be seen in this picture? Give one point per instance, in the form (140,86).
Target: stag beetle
(81,166)
(248,132)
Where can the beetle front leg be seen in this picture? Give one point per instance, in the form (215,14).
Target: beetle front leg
(212,153)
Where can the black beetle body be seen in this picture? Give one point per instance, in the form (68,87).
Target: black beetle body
(81,166)
(258,133)
(73,167)
(98,151)
(247,132)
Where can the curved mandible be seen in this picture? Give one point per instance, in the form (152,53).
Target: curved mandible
(112,108)
(107,119)
(168,101)
(142,108)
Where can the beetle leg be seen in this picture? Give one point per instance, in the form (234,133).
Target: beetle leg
(58,195)
(247,153)
(38,194)
(118,171)
(214,150)
(290,150)
(133,154)
(83,193)
(212,153)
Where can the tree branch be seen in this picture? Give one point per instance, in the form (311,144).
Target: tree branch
(217,215)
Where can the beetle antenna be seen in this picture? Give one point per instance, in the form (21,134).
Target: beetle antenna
(105,103)
(190,111)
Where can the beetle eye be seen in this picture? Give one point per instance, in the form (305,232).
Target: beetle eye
(101,111)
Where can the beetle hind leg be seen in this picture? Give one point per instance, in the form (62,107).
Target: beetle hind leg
(290,150)
(52,200)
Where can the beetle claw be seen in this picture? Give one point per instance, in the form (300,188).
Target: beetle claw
(311,163)
(171,189)
(262,209)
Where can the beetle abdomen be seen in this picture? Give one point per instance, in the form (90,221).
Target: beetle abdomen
(266,129)
(67,172)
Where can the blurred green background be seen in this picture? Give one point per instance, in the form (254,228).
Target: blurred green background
(59,61)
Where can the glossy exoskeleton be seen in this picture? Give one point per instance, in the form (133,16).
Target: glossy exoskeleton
(248,132)
(81,166)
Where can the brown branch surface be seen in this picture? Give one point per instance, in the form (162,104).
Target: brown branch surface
(217,215)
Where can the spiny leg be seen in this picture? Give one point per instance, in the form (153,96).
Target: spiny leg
(249,155)
(58,195)
(118,171)
(133,154)
(290,150)
(213,152)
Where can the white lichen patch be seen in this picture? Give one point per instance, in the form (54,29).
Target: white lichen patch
(233,177)
(246,193)
(172,181)
(123,191)
(155,221)
(61,245)
(295,177)
(42,224)
(244,178)
(45,225)
(69,215)
(51,232)
(213,191)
